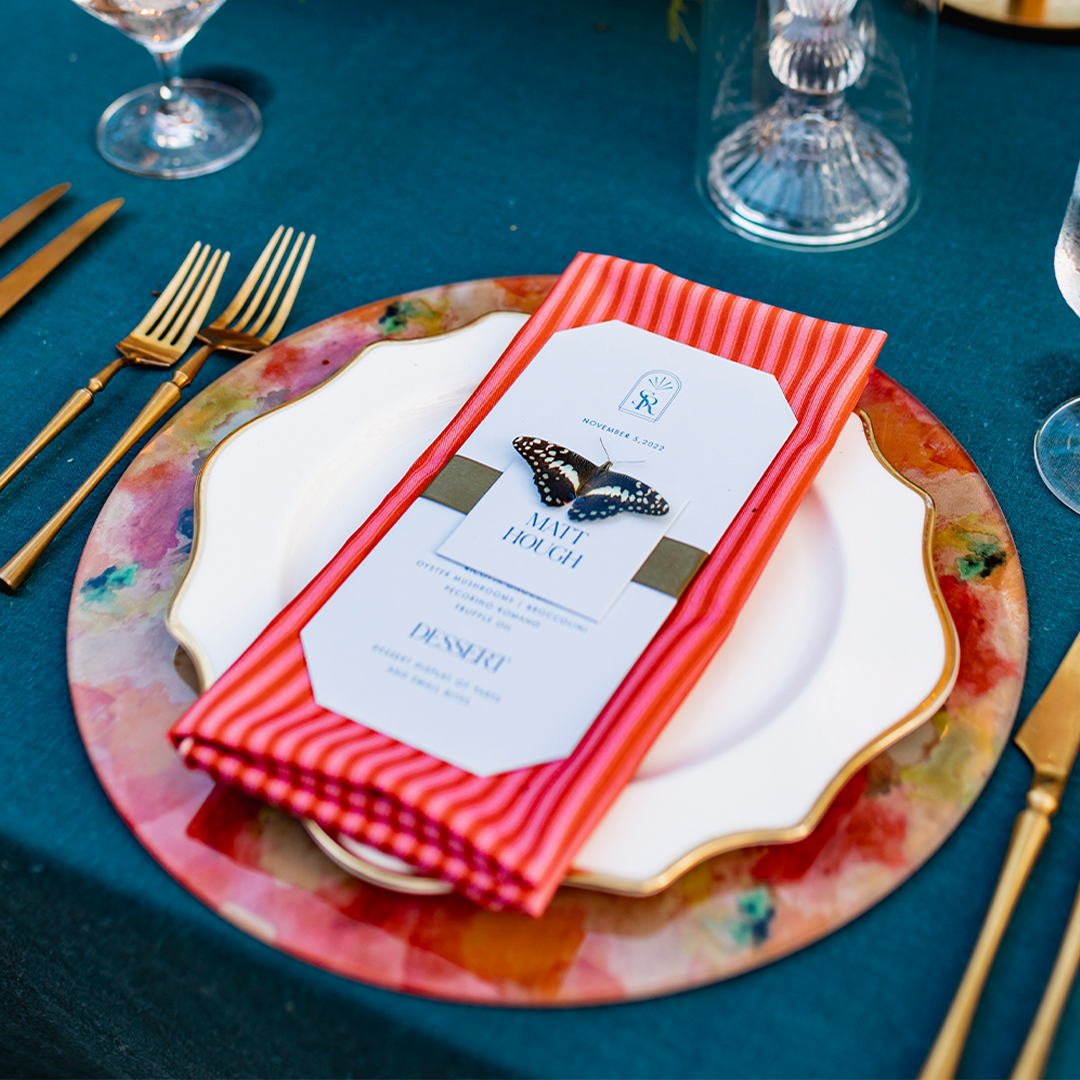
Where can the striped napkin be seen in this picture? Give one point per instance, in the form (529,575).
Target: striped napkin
(507,840)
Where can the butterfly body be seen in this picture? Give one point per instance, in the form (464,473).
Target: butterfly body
(595,491)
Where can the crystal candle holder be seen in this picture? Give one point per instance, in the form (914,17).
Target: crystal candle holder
(812,117)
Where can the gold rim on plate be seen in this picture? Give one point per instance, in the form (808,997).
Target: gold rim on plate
(187,640)
(416,883)
(419,885)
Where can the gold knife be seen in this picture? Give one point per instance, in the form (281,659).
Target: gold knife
(1049,737)
(23,278)
(17,220)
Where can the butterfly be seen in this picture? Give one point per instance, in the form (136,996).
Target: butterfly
(561,476)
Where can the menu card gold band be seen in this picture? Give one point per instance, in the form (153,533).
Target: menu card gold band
(462,483)
(671,566)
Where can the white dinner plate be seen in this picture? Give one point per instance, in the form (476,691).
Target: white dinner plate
(843,647)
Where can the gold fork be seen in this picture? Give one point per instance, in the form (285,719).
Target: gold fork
(243,336)
(159,341)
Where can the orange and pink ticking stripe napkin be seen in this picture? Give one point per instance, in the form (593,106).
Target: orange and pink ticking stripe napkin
(507,840)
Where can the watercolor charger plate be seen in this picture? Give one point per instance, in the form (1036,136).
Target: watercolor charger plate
(814,680)
(259,869)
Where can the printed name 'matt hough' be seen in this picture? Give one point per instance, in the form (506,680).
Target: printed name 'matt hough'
(563,553)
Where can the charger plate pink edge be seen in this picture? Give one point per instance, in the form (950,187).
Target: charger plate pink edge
(257,867)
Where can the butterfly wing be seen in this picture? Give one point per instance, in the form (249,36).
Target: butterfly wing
(608,493)
(558,473)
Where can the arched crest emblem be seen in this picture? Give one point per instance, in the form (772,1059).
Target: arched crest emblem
(651,395)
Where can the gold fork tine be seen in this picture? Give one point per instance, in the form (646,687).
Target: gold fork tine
(249,283)
(167,293)
(275,292)
(290,296)
(159,340)
(260,292)
(202,294)
(181,294)
(216,335)
(199,316)
(180,332)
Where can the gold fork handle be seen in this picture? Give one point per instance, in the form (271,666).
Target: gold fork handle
(75,406)
(1029,834)
(1031,1064)
(15,571)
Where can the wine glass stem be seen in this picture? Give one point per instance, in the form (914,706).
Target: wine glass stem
(173,98)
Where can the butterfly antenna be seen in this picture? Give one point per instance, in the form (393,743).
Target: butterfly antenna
(607,456)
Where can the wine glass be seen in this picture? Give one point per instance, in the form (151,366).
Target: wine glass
(1057,442)
(178,127)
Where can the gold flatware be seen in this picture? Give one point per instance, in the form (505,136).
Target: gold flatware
(1031,1064)
(1049,737)
(17,220)
(159,340)
(23,278)
(245,336)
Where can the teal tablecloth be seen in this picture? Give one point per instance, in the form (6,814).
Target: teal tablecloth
(411,136)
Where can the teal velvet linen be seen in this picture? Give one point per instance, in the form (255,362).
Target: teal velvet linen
(427,142)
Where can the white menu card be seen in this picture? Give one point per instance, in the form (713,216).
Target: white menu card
(492,639)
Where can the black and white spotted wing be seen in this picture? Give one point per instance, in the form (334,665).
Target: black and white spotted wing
(609,493)
(561,476)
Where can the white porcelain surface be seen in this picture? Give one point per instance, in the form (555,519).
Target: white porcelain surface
(835,647)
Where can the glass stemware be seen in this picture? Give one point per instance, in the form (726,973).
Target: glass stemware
(850,179)
(178,127)
(1057,442)
(812,116)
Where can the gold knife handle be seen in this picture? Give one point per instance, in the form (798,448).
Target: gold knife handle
(1029,833)
(1031,1064)
(75,406)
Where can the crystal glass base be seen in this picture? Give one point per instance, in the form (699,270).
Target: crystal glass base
(1057,453)
(808,176)
(209,127)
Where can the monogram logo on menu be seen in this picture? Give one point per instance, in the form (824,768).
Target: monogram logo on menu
(650,396)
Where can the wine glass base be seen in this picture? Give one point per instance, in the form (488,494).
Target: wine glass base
(1057,452)
(218,126)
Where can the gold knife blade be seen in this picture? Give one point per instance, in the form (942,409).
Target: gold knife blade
(23,278)
(1049,738)
(17,220)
